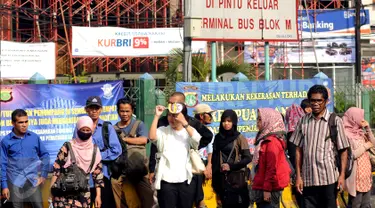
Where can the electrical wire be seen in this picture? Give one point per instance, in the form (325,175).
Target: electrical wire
(312,38)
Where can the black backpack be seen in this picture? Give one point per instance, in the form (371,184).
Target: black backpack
(118,166)
(72,180)
(333,134)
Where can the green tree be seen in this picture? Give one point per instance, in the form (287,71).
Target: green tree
(81,78)
(201,68)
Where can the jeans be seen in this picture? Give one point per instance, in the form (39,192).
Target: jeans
(27,193)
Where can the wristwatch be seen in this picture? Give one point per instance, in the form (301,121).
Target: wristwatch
(185,126)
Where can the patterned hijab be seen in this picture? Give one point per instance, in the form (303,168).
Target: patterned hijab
(352,123)
(272,123)
(293,114)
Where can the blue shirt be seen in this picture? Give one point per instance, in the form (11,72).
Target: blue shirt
(141,130)
(114,149)
(20,159)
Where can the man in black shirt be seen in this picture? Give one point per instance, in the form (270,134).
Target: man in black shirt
(206,134)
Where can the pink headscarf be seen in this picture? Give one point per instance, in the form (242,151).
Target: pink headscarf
(83,149)
(292,115)
(352,123)
(272,122)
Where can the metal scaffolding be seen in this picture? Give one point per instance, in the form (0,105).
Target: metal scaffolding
(51,21)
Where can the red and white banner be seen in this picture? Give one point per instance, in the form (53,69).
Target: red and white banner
(244,20)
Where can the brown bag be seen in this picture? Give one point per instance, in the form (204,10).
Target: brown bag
(235,179)
(137,156)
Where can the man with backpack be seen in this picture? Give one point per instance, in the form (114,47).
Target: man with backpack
(105,138)
(132,135)
(322,153)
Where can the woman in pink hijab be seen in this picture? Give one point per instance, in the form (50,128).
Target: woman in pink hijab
(359,183)
(272,172)
(83,149)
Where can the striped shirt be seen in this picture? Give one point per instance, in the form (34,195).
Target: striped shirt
(319,162)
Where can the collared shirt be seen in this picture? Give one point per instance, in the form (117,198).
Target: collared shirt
(20,159)
(114,149)
(319,162)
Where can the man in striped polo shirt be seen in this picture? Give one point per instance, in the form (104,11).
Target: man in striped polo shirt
(315,156)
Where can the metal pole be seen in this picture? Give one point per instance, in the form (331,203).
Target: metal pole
(68,44)
(267,60)
(358,60)
(213,61)
(187,45)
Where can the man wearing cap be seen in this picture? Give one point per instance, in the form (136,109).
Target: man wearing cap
(111,152)
(203,113)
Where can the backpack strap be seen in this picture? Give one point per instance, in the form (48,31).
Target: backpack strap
(119,132)
(333,128)
(235,142)
(133,131)
(93,158)
(70,150)
(105,135)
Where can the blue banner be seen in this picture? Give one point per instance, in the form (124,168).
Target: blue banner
(246,97)
(53,109)
(332,22)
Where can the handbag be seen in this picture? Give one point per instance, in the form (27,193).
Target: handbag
(72,180)
(197,164)
(371,152)
(234,181)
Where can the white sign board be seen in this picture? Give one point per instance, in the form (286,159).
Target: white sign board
(22,60)
(244,20)
(120,42)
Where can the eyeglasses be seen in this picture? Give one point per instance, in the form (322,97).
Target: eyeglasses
(317,101)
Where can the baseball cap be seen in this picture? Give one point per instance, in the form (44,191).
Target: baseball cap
(203,108)
(94,100)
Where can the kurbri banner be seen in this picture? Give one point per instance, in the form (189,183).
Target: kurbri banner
(53,110)
(246,97)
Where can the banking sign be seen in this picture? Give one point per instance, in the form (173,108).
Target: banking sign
(120,42)
(53,110)
(331,23)
(246,97)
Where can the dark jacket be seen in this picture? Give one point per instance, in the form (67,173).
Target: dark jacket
(201,129)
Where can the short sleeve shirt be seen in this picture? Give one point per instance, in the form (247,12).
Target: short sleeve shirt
(319,152)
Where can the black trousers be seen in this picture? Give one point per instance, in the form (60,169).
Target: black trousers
(27,193)
(108,200)
(199,194)
(320,196)
(177,195)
